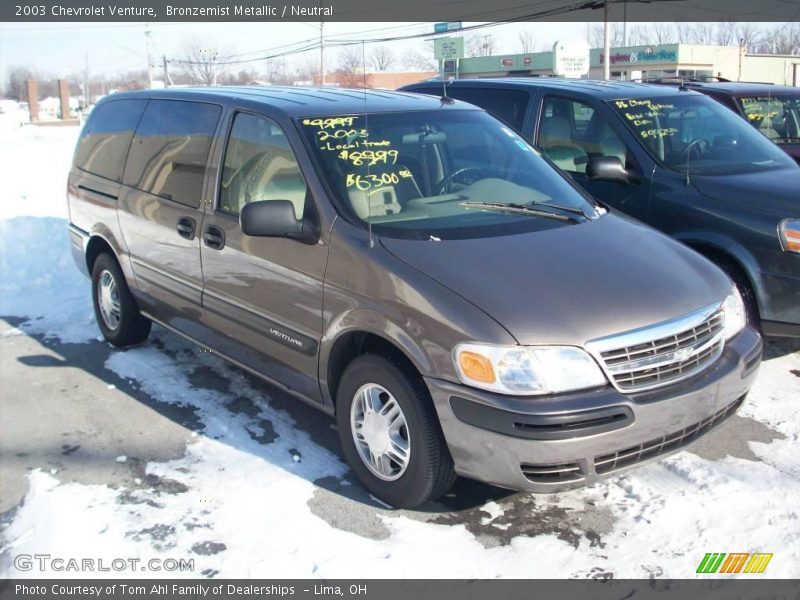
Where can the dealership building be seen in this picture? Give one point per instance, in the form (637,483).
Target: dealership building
(647,62)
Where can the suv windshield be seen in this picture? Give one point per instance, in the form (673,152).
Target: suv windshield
(441,173)
(777,117)
(691,133)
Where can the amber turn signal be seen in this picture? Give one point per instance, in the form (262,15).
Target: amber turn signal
(476,367)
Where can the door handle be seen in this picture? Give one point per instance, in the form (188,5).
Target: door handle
(186,227)
(214,237)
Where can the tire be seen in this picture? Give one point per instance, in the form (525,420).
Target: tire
(428,473)
(746,290)
(127,326)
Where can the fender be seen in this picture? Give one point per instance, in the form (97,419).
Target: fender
(422,354)
(732,249)
(105,233)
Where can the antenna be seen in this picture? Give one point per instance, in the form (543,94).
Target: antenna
(371,242)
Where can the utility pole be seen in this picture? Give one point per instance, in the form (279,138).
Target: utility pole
(321,53)
(166,72)
(624,22)
(87,92)
(147,34)
(606,44)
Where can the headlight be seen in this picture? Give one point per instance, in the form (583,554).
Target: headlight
(789,232)
(526,370)
(735,314)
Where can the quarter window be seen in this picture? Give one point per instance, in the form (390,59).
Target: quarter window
(170,150)
(260,165)
(107,136)
(572,132)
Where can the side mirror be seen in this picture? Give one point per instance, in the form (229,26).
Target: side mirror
(275,218)
(607,168)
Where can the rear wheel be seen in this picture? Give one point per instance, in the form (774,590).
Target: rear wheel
(115,309)
(390,433)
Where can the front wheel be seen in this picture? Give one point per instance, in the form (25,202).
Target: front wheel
(390,433)
(115,309)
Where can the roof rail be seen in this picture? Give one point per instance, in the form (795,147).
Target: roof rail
(680,80)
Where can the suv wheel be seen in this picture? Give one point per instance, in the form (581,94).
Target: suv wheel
(390,433)
(116,312)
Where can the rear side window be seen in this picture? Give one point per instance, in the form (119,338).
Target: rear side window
(107,136)
(170,149)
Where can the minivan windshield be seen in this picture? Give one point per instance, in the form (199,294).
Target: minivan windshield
(776,117)
(441,173)
(694,134)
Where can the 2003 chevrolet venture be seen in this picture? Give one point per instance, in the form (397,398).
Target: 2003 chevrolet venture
(415,268)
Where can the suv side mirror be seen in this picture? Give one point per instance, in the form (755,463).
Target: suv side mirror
(275,218)
(607,168)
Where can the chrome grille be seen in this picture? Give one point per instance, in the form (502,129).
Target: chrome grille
(665,353)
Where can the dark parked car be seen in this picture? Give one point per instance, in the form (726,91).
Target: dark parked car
(774,110)
(674,159)
(414,268)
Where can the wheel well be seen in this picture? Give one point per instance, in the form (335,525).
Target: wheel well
(725,261)
(95,248)
(354,344)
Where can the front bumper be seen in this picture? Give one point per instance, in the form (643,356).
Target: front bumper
(553,443)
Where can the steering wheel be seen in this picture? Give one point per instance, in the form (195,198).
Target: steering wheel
(445,185)
(702,144)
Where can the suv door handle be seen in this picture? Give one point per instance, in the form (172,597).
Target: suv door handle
(186,227)
(214,237)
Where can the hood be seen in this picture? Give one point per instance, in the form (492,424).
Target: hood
(573,283)
(774,193)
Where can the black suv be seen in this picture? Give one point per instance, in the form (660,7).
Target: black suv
(774,110)
(673,158)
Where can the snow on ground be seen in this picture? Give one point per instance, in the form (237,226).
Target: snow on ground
(244,504)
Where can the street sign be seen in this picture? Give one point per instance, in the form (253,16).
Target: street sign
(450,68)
(448,48)
(445,27)
(571,59)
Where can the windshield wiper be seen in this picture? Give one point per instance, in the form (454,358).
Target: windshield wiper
(538,210)
(568,209)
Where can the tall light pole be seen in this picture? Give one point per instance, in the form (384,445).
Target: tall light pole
(321,53)
(606,44)
(147,34)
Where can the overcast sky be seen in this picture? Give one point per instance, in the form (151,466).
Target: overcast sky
(60,48)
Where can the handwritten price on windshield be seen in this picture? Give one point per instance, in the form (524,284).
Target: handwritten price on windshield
(374,181)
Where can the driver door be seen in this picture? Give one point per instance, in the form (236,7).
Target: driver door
(263,294)
(571,132)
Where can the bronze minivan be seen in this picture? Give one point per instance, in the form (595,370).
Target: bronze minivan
(415,268)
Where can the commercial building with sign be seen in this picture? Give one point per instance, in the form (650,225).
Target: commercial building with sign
(647,62)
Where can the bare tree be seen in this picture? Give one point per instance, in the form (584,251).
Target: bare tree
(276,71)
(748,36)
(419,58)
(480,45)
(351,59)
(16,82)
(352,71)
(382,58)
(527,42)
(203,62)
(781,39)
